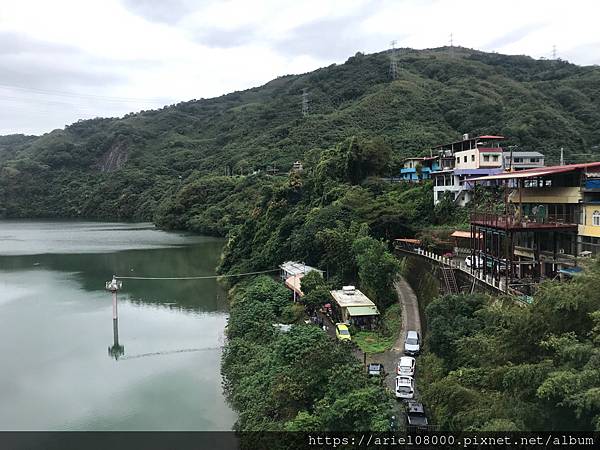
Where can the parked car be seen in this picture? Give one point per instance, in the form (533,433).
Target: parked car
(415,415)
(412,343)
(474,261)
(375,370)
(405,387)
(342,333)
(406,366)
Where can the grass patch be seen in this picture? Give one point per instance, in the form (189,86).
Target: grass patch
(384,338)
(372,341)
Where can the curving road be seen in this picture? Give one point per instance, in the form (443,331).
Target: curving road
(411,320)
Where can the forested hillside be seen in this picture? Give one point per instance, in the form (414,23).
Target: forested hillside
(127,168)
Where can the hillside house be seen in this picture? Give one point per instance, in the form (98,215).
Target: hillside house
(354,307)
(553,219)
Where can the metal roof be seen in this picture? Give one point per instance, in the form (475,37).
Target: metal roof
(464,234)
(357,311)
(296,268)
(356,298)
(525,154)
(533,173)
(485,136)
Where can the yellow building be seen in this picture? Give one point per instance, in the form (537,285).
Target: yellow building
(553,219)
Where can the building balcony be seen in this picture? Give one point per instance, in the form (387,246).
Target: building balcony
(510,222)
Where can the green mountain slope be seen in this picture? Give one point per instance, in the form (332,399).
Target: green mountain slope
(125,168)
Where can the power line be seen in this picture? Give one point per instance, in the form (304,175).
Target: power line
(170,352)
(197,278)
(75,95)
(304,102)
(393,61)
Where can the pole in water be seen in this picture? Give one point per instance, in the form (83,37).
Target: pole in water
(116,350)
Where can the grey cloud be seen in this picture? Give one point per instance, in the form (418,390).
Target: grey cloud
(164,11)
(514,35)
(330,39)
(27,62)
(12,43)
(586,54)
(219,38)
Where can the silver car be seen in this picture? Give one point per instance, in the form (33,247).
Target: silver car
(412,343)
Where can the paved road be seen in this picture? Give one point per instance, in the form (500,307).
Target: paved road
(411,320)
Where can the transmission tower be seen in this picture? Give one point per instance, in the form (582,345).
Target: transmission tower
(393,61)
(554,52)
(451,48)
(304,102)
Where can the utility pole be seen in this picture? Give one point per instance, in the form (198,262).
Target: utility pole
(554,52)
(304,102)
(451,49)
(393,61)
(116,350)
(562,157)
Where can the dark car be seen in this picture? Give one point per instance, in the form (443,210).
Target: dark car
(416,419)
(375,370)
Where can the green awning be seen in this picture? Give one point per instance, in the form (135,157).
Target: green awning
(356,311)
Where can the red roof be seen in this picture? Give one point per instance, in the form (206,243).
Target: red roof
(489,137)
(538,172)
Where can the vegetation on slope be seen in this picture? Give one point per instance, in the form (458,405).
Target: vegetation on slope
(496,366)
(299,380)
(127,168)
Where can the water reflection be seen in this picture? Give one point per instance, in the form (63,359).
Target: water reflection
(113,287)
(53,302)
(89,270)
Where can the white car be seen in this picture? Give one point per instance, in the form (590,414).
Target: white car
(474,261)
(406,366)
(405,387)
(412,343)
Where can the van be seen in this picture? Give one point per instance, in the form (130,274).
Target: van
(412,343)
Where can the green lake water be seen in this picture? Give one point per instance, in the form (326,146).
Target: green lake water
(56,329)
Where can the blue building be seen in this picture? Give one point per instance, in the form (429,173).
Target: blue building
(419,169)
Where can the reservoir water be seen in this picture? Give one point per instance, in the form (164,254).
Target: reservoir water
(57,369)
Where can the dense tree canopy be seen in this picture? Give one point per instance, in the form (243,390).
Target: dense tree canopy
(300,380)
(495,365)
(152,164)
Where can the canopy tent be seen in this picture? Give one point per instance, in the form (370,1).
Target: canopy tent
(357,311)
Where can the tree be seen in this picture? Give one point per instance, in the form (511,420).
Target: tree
(377,270)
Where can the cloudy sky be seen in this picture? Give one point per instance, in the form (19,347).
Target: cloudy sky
(63,60)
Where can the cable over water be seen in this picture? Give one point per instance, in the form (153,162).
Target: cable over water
(207,277)
(170,352)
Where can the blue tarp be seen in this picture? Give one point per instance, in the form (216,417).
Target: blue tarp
(571,271)
(592,184)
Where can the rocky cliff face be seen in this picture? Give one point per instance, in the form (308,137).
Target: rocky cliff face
(114,158)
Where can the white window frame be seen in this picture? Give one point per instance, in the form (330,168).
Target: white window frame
(596,218)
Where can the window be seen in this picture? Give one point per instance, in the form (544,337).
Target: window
(534,160)
(518,160)
(472,158)
(596,218)
(495,158)
(457,160)
(465,158)
(486,158)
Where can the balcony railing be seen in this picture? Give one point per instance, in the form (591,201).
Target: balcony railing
(512,221)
